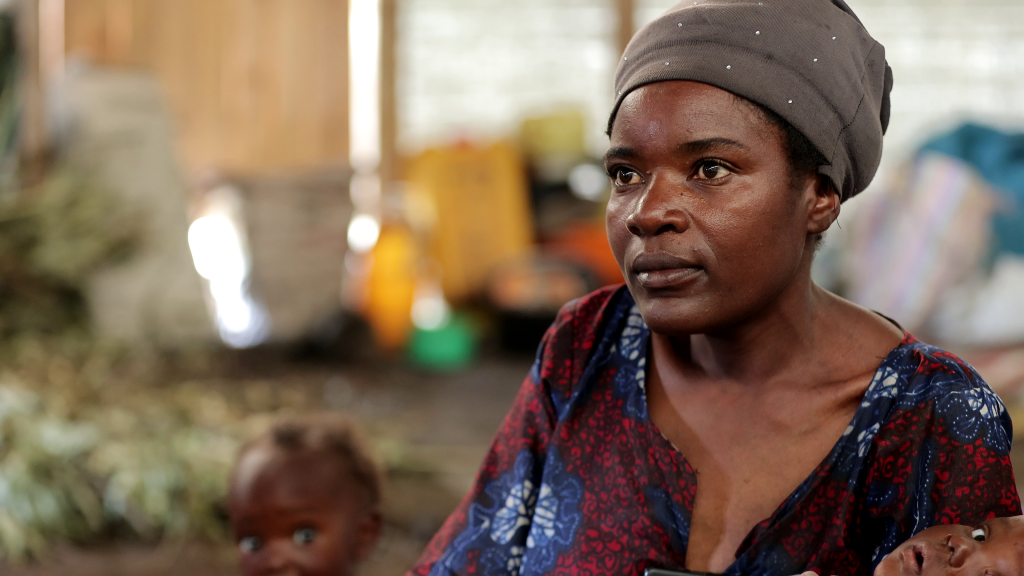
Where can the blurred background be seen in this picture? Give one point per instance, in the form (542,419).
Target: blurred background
(213,211)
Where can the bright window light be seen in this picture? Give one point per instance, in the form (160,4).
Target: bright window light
(588,182)
(430,313)
(220,256)
(364,77)
(217,250)
(363,233)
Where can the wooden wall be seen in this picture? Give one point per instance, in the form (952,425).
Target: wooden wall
(254,85)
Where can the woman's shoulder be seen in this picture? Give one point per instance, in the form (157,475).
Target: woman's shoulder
(580,324)
(583,329)
(585,317)
(931,428)
(927,368)
(924,382)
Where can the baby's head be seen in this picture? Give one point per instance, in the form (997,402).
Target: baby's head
(993,548)
(304,499)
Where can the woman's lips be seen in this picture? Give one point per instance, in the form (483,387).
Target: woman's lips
(660,270)
(665,278)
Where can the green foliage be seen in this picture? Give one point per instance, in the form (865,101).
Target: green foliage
(51,238)
(96,440)
(85,453)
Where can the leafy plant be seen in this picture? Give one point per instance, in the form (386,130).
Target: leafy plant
(51,237)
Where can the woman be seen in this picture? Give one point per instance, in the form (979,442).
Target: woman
(721,412)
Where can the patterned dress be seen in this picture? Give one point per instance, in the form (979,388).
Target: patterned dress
(579,481)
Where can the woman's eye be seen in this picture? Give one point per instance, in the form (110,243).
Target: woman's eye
(625,177)
(978,534)
(250,544)
(304,536)
(711,170)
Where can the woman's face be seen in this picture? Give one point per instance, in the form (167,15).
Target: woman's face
(703,218)
(993,548)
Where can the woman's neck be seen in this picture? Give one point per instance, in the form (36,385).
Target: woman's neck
(769,344)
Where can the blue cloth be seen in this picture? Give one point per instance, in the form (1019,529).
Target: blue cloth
(998,158)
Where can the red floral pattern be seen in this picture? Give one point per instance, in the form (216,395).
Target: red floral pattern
(929,445)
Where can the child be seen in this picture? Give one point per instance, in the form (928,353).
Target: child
(993,548)
(304,499)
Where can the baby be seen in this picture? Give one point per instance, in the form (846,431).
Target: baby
(304,499)
(993,548)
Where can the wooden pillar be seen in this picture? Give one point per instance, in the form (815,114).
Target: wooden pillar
(388,103)
(51,39)
(624,31)
(120,31)
(33,123)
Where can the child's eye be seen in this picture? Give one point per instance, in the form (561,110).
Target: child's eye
(250,544)
(979,534)
(304,536)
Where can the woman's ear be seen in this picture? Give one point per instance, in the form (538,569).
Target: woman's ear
(823,205)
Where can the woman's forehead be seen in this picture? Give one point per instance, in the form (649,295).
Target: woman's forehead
(681,112)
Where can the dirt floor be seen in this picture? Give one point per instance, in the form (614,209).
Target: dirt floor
(447,420)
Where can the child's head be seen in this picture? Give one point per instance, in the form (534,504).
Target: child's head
(993,548)
(304,499)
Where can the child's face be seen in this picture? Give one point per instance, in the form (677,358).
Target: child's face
(298,514)
(993,548)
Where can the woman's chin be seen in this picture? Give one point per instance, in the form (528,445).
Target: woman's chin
(676,316)
(685,315)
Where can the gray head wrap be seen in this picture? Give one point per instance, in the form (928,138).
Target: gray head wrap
(809,61)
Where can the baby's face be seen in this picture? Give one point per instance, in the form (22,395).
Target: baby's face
(993,548)
(295,514)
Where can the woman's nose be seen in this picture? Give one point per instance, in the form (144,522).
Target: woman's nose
(659,208)
(961,549)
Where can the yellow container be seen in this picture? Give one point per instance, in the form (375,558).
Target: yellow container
(480,200)
(391,284)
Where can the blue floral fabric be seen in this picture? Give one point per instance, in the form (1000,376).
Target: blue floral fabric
(579,481)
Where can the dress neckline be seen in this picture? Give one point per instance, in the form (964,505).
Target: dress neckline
(853,438)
